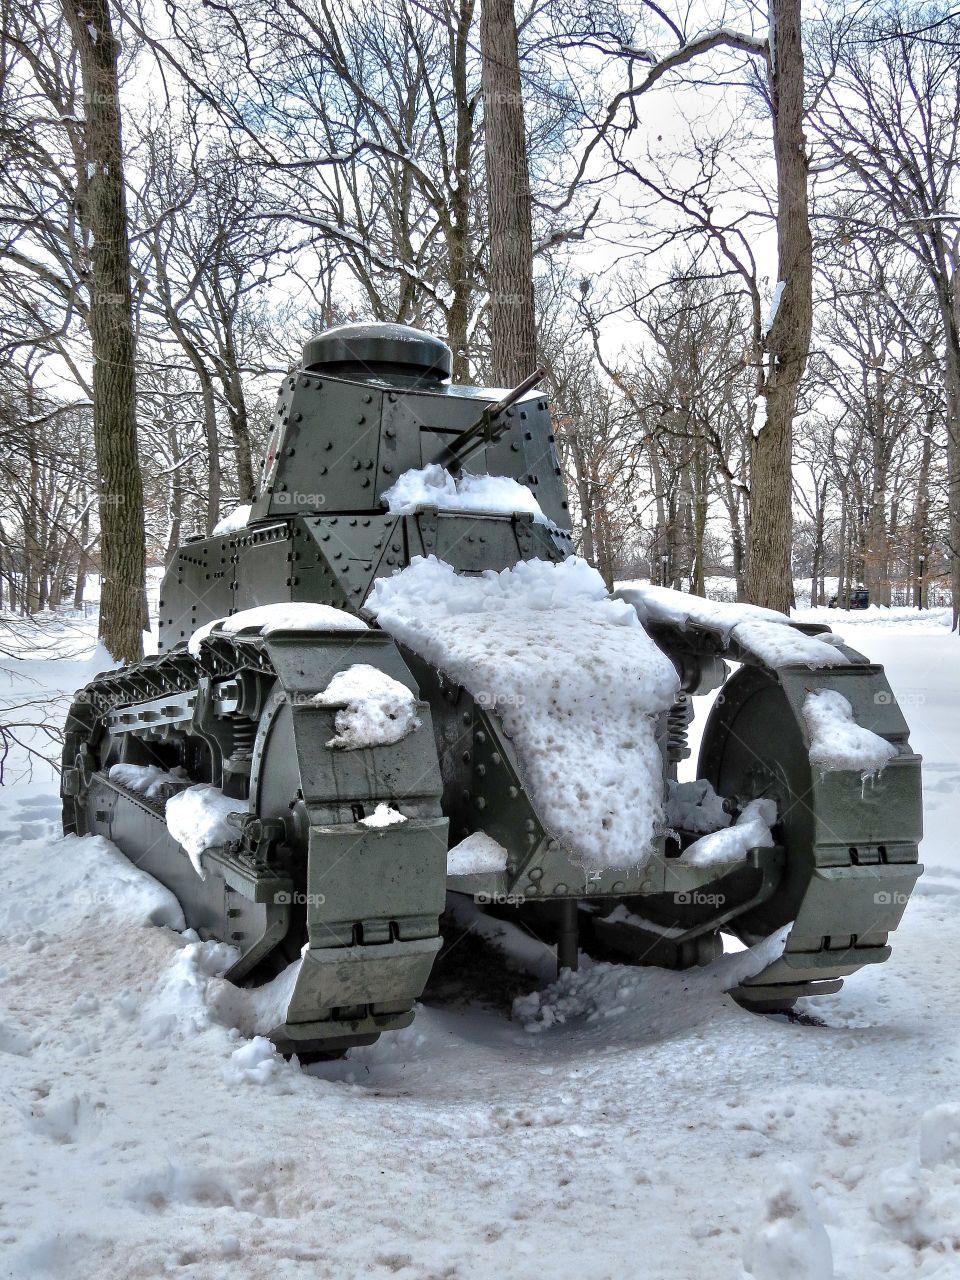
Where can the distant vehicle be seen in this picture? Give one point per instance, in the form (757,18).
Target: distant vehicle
(858,598)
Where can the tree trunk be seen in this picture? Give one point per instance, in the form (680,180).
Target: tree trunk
(82,537)
(111,331)
(239,428)
(921,514)
(513,333)
(816,569)
(31,550)
(176,494)
(769,578)
(460,250)
(952,380)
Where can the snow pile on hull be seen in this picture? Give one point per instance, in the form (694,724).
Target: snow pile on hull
(695,806)
(434,486)
(750,831)
(476,855)
(384,815)
(148,780)
(197,820)
(297,616)
(232,522)
(765,634)
(576,681)
(375,709)
(837,741)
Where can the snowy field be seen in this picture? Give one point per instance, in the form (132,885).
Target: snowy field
(624,1123)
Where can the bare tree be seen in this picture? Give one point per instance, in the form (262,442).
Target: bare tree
(886,123)
(122,617)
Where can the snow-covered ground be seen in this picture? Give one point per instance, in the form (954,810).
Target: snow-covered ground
(624,1123)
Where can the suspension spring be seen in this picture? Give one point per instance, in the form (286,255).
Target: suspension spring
(244,733)
(678,722)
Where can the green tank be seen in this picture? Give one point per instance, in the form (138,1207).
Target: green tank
(302,868)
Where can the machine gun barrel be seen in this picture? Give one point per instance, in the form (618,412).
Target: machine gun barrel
(486,430)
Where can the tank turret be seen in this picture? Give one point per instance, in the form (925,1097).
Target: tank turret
(369,403)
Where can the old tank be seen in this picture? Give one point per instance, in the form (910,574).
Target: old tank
(293,841)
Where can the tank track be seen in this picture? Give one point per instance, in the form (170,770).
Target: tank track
(305,871)
(850,845)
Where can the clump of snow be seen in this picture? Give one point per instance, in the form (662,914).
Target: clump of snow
(764,633)
(255,1011)
(197,819)
(750,831)
(256,1061)
(901,1204)
(300,616)
(836,740)
(148,780)
(791,1239)
(601,991)
(476,854)
(435,486)
(384,815)
(695,806)
(374,710)
(234,520)
(576,681)
(940,1135)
